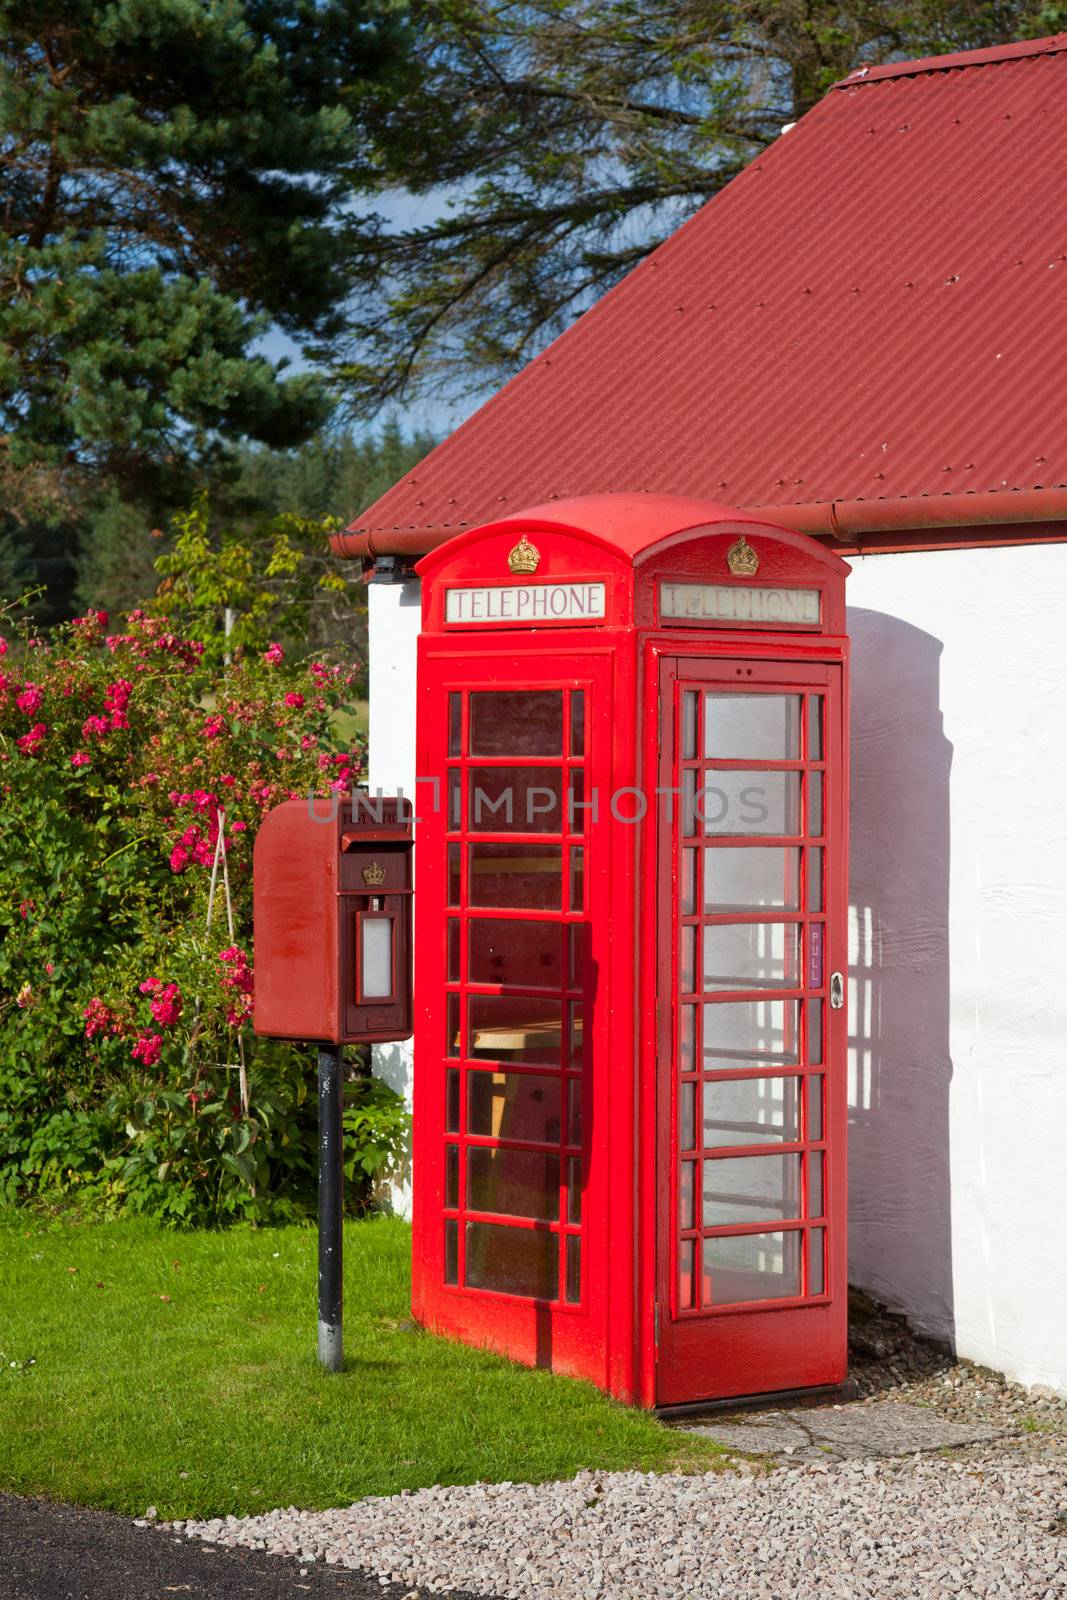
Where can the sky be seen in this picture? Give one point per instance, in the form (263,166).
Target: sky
(438,415)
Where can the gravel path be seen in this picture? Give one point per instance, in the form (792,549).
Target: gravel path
(968,1524)
(898,1530)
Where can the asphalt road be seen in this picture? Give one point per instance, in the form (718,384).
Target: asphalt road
(56,1552)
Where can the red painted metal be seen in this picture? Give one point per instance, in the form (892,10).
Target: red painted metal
(521,1190)
(321,870)
(871,313)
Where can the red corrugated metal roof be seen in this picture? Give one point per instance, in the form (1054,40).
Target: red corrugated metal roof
(875,309)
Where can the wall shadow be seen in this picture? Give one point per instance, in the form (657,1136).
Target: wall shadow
(900,1068)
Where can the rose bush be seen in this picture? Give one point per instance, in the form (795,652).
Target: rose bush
(129,1075)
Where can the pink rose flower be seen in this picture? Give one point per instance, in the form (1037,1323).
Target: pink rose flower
(79,759)
(273,654)
(30,742)
(147,1048)
(166,1008)
(99,1018)
(30,699)
(294,699)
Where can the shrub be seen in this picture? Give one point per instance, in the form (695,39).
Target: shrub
(134,777)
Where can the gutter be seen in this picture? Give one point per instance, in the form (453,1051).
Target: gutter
(843,521)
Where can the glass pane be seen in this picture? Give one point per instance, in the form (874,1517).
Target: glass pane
(507,1027)
(576,964)
(687,1040)
(688,964)
(752,1111)
(452,1177)
(817,1261)
(815,1113)
(686,1116)
(455,800)
(687,1195)
(577,877)
(574,1269)
(752,1030)
(815,727)
(515,800)
(689,883)
(815,1036)
(752,727)
(376,957)
(574,1190)
(758,878)
(751,1189)
(815,880)
(514,1105)
(513,1183)
(515,951)
(689,726)
(816,1202)
(751,955)
(576,1013)
(752,1266)
(513,1260)
(577,723)
(453,950)
(452,1100)
(455,724)
(747,803)
(574,1092)
(517,722)
(452,1042)
(451,1252)
(815,824)
(453,874)
(691,821)
(529,876)
(686,1283)
(576,805)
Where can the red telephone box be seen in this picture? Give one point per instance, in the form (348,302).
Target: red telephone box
(630,1038)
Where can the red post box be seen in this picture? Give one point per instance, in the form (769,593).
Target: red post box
(630,1046)
(332,898)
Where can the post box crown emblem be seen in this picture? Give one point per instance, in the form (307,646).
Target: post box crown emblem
(524,557)
(742,560)
(374,875)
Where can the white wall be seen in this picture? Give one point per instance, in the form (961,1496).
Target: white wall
(958,1004)
(393,620)
(959,959)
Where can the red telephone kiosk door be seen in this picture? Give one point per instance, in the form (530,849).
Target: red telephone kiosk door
(751,1070)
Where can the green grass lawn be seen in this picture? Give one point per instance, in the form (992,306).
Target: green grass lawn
(143,1367)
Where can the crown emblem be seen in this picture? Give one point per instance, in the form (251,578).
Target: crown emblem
(525,557)
(742,560)
(374,875)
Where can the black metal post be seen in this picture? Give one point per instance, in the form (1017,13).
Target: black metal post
(331,1181)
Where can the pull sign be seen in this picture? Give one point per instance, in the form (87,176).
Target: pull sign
(725,602)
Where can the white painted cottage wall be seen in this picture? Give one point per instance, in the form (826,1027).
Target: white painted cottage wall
(959,934)
(958,994)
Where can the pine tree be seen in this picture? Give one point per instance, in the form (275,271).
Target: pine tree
(175,177)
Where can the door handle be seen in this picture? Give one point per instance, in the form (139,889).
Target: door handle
(837,991)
